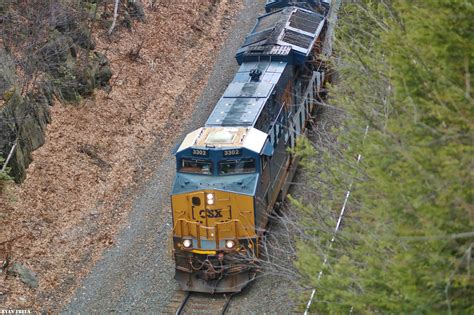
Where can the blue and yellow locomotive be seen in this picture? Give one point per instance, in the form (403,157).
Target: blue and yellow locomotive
(232,171)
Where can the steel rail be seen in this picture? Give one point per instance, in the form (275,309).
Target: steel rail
(180,309)
(186,302)
(226,305)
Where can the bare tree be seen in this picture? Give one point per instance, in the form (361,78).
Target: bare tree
(116,7)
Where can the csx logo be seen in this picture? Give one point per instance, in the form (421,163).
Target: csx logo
(215,213)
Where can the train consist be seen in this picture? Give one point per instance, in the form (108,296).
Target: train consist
(233,171)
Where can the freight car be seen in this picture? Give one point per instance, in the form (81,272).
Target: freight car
(234,170)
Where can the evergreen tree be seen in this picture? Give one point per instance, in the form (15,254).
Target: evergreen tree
(406,244)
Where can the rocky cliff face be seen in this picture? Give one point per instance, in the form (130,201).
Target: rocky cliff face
(69,69)
(23,121)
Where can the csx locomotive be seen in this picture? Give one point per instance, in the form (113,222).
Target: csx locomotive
(232,172)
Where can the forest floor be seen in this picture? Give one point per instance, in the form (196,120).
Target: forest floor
(80,186)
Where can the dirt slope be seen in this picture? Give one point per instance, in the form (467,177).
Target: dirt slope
(78,187)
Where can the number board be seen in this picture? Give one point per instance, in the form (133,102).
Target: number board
(200,152)
(233,152)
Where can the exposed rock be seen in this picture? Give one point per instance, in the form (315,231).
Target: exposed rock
(26,275)
(82,37)
(127,20)
(56,53)
(68,68)
(7,73)
(23,121)
(66,84)
(67,23)
(46,94)
(72,80)
(136,10)
(96,74)
(104,72)
(63,20)
(3,6)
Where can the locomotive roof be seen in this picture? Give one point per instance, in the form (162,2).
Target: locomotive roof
(310,4)
(243,100)
(287,34)
(225,137)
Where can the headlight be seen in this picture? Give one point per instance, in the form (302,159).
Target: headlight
(210,199)
(187,243)
(229,244)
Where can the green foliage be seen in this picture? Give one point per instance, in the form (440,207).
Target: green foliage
(8,94)
(405,246)
(4,176)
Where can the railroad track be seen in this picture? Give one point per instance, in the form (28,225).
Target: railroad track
(197,303)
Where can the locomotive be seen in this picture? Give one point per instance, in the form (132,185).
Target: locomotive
(231,172)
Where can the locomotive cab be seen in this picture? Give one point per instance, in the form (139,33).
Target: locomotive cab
(213,204)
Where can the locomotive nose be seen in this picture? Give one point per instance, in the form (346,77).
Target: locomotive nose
(212,219)
(210,208)
(214,240)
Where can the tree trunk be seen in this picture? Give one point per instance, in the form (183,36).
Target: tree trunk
(117,2)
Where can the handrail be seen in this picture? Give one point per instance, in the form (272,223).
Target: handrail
(181,222)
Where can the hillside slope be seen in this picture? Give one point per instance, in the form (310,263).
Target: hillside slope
(78,188)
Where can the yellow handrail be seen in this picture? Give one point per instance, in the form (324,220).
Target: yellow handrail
(198,226)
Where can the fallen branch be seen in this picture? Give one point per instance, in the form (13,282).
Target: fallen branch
(4,167)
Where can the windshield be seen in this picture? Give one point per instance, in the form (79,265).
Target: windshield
(240,166)
(196,166)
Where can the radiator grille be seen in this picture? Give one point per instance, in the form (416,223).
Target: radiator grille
(305,21)
(297,39)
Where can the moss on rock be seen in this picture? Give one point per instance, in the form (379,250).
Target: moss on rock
(23,121)
(68,68)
